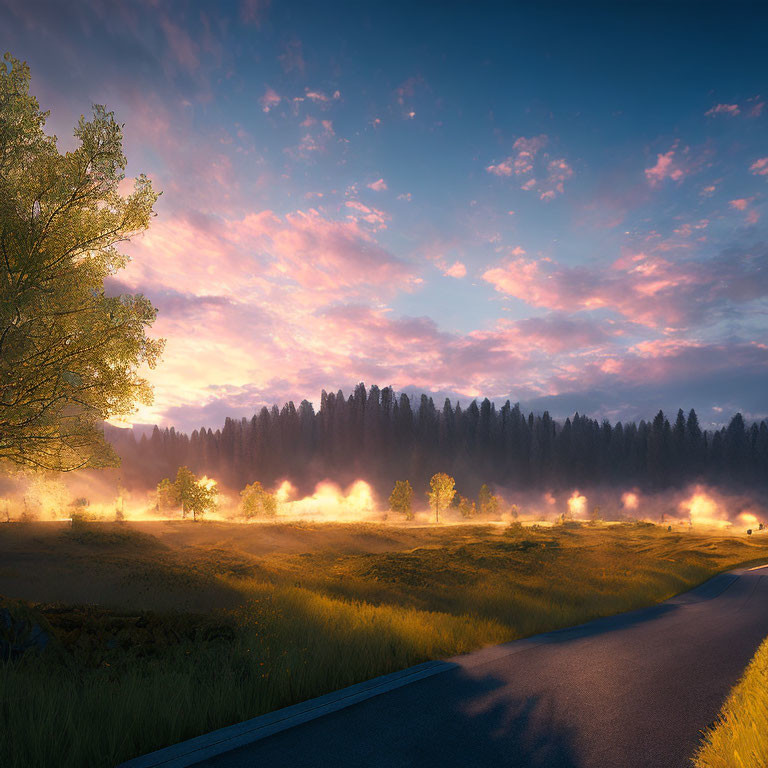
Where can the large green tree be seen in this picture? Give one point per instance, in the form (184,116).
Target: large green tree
(69,354)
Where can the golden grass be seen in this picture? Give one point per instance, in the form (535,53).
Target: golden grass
(739,738)
(270,615)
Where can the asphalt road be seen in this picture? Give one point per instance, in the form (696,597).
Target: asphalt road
(630,691)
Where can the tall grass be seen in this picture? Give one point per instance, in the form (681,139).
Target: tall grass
(305,624)
(739,739)
(291,644)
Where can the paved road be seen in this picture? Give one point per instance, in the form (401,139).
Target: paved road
(631,691)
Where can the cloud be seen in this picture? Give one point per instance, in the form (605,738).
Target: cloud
(741,204)
(521,162)
(378,186)
(647,289)
(554,172)
(723,109)
(666,167)
(368,214)
(457,270)
(760,167)
(269,100)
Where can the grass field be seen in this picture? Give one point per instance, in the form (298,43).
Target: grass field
(740,736)
(162,631)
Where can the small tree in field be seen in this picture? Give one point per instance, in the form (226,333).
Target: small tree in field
(202,497)
(466,507)
(183,486)
(442,489)
(193,494)
(487,503)
(256,501)
(166,495)
(401,499)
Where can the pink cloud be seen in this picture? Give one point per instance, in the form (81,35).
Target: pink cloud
(740,204)
(269,100)
(723,109)
(757,109)
(666,167)
(646,289)
(368,214)
(760,167)
(554,172)
(378,186)
(457,270)
(522,161)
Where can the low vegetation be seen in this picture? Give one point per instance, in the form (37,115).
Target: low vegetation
(161,631)
(739,736)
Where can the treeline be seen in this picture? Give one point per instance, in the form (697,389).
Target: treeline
(380,437)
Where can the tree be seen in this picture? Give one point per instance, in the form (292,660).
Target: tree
(183,488)
(467,507)
(441,492)
(401,499)
(256,501)
(69,354)
(202,497)
(167,497)
(487,503)
(193,494)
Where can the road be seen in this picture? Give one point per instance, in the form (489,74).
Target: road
(630,691)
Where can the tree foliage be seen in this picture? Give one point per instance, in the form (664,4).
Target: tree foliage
(191,493)
(379,436)
(467,507)
(487,503)
(401,499)
(69,353)
(442,488)
(256,501)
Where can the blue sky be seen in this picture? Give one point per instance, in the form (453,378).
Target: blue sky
(560,205)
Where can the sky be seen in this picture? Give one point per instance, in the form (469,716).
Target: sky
(564,206)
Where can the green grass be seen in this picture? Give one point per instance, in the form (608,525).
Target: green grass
(278,614)
(739,739)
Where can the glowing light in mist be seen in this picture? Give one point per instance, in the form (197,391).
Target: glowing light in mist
(748,519)
(577,504)
(328,502)
(206,482)
(630,500)
(703,509)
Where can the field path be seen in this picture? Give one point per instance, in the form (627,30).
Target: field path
(629,691)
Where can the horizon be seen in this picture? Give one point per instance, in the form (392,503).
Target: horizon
(414,398)
(564,209)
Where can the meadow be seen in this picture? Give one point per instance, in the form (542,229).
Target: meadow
(164,630)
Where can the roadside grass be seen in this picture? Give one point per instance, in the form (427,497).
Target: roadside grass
(739,738)
(129,677)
